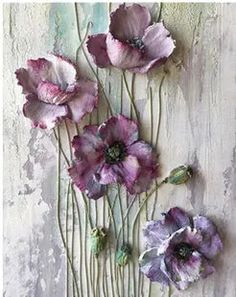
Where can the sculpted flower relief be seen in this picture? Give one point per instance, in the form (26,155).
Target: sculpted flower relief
(132,43)
(179,248)
(53,91)
(112,153)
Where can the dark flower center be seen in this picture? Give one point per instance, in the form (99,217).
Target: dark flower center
(136,42)
(115,153)
(183,251)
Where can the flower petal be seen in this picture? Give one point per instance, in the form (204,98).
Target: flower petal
(43,115)
(97,47)
(157,41)
(150,265)
(83,177)
(128,22)
(84,101)
(148,163)
(125,172)
(51,93)
(118,129)
(179,217)
(122,55)
(55,69)
(149,64)
(62,72)
(182,273)
(211,244)
(89,146)
(155,232)
(24,79)
(89,154)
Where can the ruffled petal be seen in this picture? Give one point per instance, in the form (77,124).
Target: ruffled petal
(118,129)
(88,150)
(51,93)
(97,47)
(122,55)
(183,273)
(148,163)
(128,22)
(42,114)
(83,176)
(108,174)
(155,232)
(179,217)
(149,64)
(125,172)
(157,41)
(55,69)
(84,101)
(26,81)
(89,146)
(62,72)
(150,265)
(211,244)
(186,235)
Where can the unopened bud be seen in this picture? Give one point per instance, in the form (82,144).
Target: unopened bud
(179,175)
(123,255)
(98,239)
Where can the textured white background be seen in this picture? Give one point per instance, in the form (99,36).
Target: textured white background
(197,127)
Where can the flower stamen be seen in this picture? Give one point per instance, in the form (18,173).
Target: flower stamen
(183,251)
(115,153)
(136,42)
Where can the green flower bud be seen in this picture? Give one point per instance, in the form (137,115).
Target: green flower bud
(123,255)
(179,175)
(98,239)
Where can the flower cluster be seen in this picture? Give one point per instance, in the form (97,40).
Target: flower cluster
(180,248)
(132,42)
(112,153)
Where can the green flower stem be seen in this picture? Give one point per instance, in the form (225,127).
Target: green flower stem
(125,216)
(87,59)
(89,26)
(73,243)
(128,285)
(60,148)
(58,212)
(160,12)
(159,109)
(67,218)
(130,97)
(144,202)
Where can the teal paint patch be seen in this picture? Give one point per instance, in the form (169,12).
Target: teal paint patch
(97,13)
(62,36)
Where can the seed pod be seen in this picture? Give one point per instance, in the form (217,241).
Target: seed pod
(179,175)
(123,255)
(98,239)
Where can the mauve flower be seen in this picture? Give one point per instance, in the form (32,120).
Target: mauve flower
(53,91)
(179,248)
(132,43)
(112,153)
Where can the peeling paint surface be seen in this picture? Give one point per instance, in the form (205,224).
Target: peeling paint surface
(198,122)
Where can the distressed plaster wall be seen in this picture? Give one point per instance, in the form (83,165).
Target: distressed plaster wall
(197,127)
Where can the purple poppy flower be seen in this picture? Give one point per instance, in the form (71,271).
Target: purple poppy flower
(132,43)
(53,91)
(112,153)
(179,248)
